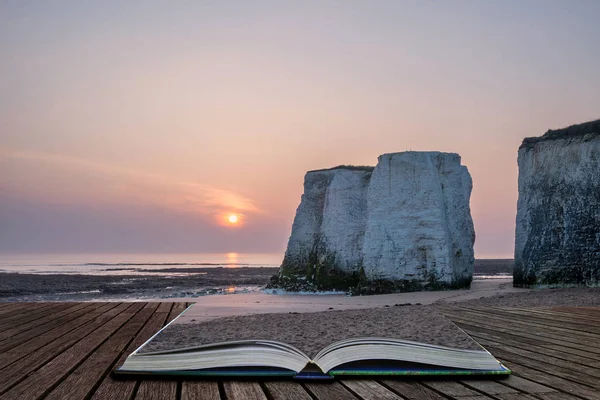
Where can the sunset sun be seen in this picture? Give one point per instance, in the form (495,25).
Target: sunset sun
(230,219)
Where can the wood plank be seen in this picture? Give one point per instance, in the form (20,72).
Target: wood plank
(584,317)
(412,390)
(570,350)
(563,354)
(40,320)
(369,390)
(23,312)
(532,339)
(514,329)
(583,352)
(164,306)
(58,335)
(36,384)
(568,311)
(558,396)
(176,311)
(532,323)
(25,366)
(28,314)
(243,390)
(575,312)
(9,307)
(156,390)
(286,390)
(450,388)
(584,374)
(111,388)
(328,391)
(200,390)
(80,382)
(488,386)
(546,396)
(518,396)
(543,377)
(591,310)
(525,385)
(40,330)
(18,308)
(550,319)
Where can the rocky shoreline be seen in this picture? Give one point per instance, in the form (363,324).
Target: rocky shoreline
(164,283)
(195,282)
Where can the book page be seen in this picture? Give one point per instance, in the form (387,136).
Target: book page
(311,332)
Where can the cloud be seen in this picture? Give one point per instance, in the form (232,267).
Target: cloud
(65,179)
(31,226)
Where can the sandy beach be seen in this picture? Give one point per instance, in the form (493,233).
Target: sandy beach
(311,332)
(482,293)
(311,322)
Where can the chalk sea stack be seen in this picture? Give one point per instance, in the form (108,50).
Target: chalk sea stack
(558,212)
(404,225)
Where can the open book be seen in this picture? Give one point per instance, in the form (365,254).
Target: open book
(414,340)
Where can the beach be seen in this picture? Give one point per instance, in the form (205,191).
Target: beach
(155,277)
(231,289)
(497,293)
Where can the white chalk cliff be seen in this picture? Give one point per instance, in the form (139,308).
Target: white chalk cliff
(558,212)
(403,225)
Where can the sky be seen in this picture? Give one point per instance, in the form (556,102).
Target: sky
(140,126)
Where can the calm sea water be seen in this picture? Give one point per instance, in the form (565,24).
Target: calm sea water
(126,264)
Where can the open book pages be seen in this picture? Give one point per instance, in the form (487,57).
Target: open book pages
(407,337)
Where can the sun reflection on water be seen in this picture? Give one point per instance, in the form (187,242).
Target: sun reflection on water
(232,258)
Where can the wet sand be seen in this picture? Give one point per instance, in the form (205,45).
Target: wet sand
(145,284)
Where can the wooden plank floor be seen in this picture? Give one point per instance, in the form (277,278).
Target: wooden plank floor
(67,351)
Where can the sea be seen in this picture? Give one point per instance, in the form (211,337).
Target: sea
(167,264)
(128,264)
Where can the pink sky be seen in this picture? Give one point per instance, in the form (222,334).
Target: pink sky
(138,128)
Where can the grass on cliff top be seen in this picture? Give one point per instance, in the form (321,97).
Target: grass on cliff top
(349,167)
(586,128)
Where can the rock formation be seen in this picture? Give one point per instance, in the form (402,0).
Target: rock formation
(404,225)
(558,212)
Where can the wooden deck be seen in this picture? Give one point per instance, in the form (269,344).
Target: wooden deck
(67,351)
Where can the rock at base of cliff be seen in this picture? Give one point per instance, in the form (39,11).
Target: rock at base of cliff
(356,284)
